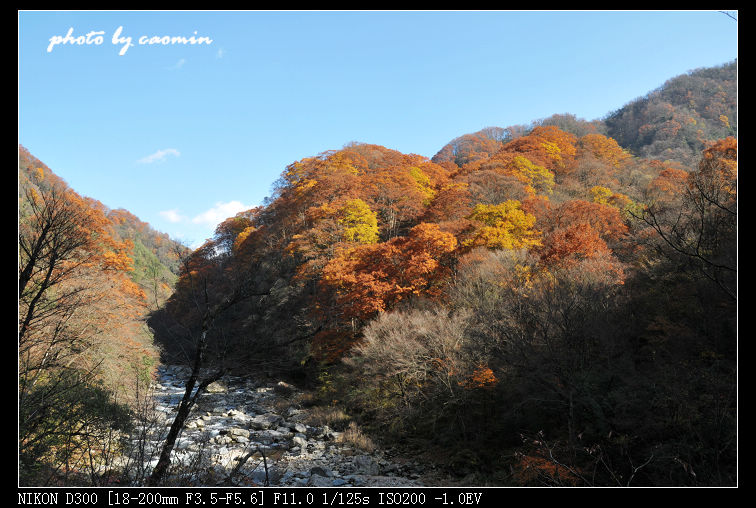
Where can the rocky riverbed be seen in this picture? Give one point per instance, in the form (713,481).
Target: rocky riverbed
(244,432)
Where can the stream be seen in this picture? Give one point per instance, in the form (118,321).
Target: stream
(244,432)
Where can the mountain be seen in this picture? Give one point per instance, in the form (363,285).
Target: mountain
(552,304)
(675,122)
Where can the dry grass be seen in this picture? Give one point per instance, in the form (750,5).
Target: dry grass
(306,399)
(354,437)
(319,416)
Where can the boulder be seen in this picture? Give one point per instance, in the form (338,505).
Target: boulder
(265,421)
(236,432)
(320,471)
(238,415)
(365,464)
(319,481)
(217,387)
(300,441)
(299,428)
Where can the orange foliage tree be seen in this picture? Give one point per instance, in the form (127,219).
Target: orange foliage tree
(604,148)
(605,219)
(579,231)
(546,146)
(373,278)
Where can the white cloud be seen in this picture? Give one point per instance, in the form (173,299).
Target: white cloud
(220,53)
(178,64)
(158,156)
(172,216)
(220,212)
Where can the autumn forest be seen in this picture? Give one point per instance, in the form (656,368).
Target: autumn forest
(552,304)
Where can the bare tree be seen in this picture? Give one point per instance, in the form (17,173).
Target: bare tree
(59,402)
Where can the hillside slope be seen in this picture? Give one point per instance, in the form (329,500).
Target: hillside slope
(88,277)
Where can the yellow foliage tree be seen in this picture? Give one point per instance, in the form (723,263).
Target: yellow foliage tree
(605,196)
(600,194)
(423,184)
(503,226)
(538,179)
(359,221)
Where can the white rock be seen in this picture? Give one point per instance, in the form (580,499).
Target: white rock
(299,441)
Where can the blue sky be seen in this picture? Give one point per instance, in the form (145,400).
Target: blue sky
(185,135)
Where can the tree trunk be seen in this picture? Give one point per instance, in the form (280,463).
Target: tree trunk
(187,402)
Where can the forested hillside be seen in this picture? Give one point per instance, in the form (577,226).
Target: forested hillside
(537,304)
(676,120)
(88,277)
